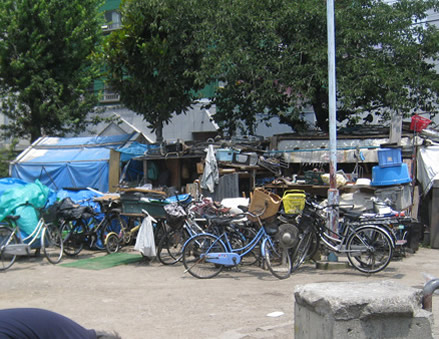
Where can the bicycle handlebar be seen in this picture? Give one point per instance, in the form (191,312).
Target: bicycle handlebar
(333,206)
(257,215)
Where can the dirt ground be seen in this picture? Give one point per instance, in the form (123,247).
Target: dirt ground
(154,301)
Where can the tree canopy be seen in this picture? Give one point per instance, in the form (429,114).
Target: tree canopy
(153,59)
(271,57)
(46,67)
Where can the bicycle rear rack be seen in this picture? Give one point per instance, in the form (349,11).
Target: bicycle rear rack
(17,249)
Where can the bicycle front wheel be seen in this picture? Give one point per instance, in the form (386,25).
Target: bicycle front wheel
(112,243)
(194,256)
(277,258)
(369,249)
(73,234)
(7,237)
(113,223)
(170,248)
(52,243)
(300,253)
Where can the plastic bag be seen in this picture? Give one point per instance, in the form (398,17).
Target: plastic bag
(145,243)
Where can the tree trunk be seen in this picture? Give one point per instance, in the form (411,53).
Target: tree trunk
(159,132)
(35,129)
(319,102)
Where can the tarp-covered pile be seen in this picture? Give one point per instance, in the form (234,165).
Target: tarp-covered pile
(69,162)
(24,201)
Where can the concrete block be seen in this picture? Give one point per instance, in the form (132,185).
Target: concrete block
(360,310)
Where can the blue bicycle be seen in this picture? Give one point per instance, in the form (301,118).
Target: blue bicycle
(205,255)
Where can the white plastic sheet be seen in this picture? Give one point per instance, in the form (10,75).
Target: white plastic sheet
(427,167)
(145,243)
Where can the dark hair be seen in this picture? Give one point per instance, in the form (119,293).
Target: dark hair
(107,335)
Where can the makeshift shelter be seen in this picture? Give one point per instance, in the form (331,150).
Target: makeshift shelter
(73,162)
(428,177)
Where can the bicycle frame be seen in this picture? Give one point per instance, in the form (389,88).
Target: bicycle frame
(23,247)
(233,256)
(36,232)
(336,240)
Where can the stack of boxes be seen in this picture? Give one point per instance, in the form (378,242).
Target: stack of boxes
(392,178)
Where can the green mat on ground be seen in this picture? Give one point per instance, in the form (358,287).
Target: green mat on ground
(105,261)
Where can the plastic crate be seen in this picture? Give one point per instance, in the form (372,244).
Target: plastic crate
(293,201)
(419,123)
(400,196)
(225,154)
(389,157)
(387,176)
(313,178)
(250,159)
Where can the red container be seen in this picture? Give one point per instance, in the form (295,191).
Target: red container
(419,123)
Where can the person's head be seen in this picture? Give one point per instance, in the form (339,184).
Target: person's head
(107,335)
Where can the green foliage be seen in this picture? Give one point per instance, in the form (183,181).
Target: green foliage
(153,59)
(271,57)
(46,67)
(6,155)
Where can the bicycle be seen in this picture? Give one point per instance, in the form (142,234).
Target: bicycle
(12,244)
(179,226)
(369,246)
(169,250)
(115,240)
(205,255)
(89,227)
(184,221)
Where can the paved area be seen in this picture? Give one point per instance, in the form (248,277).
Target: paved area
(153,301)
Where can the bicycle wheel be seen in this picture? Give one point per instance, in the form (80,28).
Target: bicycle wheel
(194,256)
(52,243)
(369,249)
(113,223)
(277,258)
(7,237)
(313,247)
(112,244)
(73,234)
(300,253)
(170,248)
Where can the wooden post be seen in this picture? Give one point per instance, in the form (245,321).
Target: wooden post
(395,129)
(114,171)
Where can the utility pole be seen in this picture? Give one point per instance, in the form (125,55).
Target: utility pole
(333,191)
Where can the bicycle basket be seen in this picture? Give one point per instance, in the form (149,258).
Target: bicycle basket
(68,210)
(49,214)
(263,200)
(175,215)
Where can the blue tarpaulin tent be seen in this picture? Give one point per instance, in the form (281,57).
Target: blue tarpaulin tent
(69,162)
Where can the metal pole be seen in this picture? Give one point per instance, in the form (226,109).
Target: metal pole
(333,191)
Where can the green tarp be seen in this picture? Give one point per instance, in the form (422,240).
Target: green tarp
(22,201)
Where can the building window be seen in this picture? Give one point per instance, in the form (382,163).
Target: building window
(109,95)
(113,20)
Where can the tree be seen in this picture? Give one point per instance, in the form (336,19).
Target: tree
(153,59)
(7,154)
(276,62)
(46,67)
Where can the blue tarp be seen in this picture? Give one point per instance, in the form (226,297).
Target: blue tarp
(68,162)
(134,150)
(8,183)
